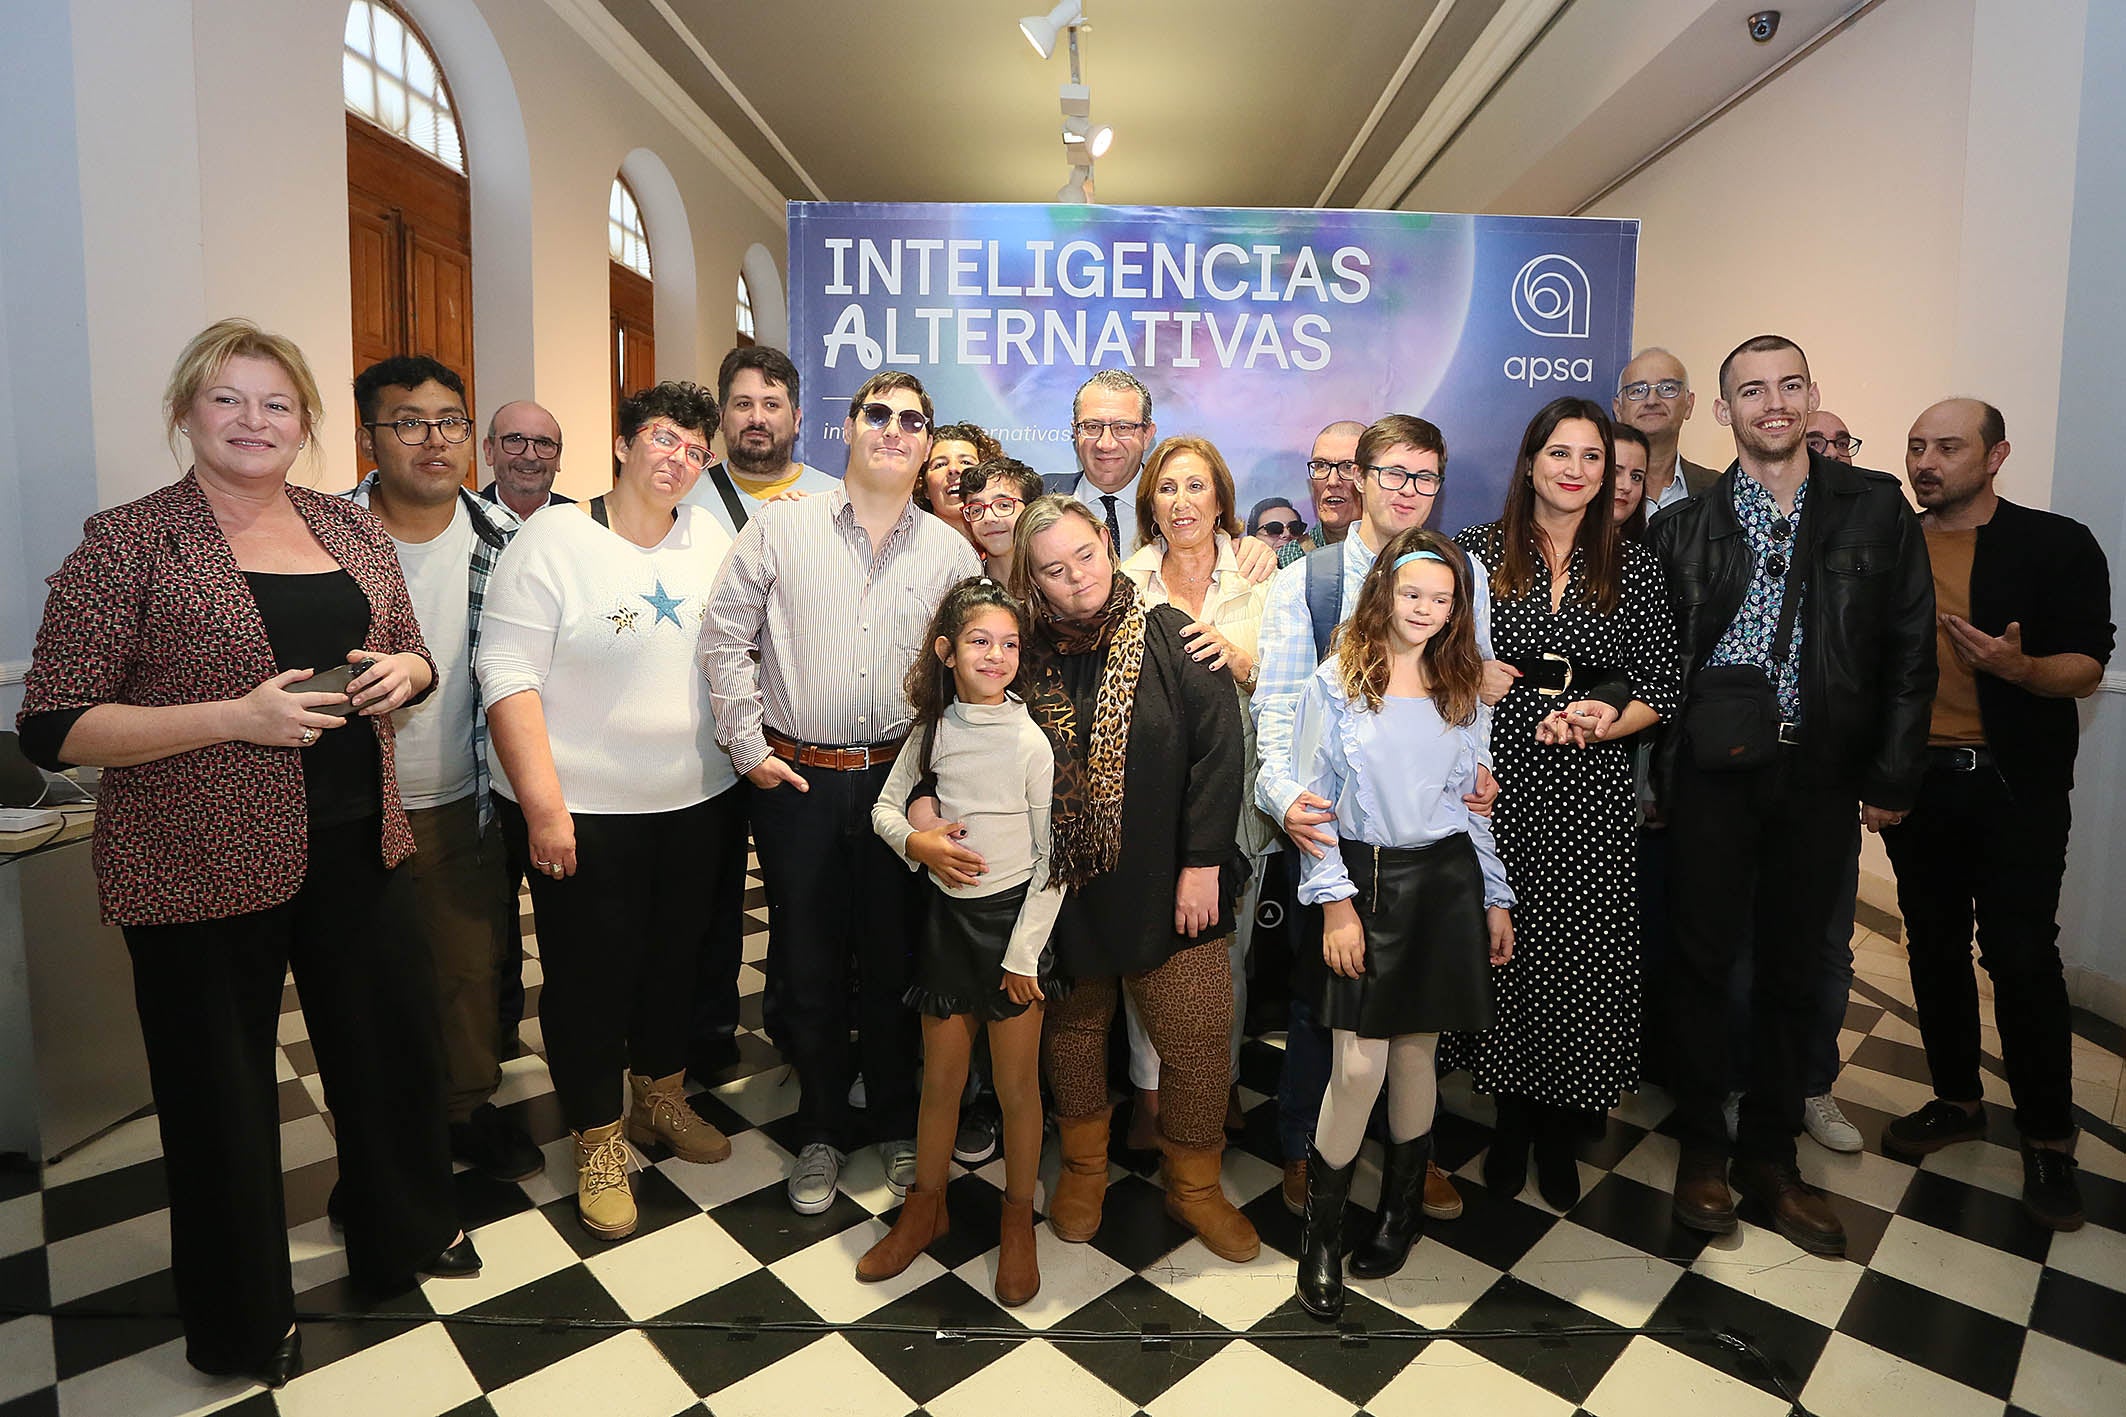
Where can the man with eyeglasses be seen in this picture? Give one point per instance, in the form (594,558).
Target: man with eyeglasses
(992,494)
(1828,435)
(1806,613)
(1654,396)
(415,427)
(1332,478)
(523,449)
(818,612)
(2025,630)
(1402,465)
(756,386)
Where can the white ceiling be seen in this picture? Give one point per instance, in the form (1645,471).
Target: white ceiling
(1446,105)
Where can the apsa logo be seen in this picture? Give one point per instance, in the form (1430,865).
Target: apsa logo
(1552,297)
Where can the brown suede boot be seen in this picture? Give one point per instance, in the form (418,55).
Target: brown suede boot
(1194,1199)
(1074,1205)
(660,1114)
(922,1220)
(1018,1270)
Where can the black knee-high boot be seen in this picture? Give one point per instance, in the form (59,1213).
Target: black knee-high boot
(1321,1272)
(1506,1164)
(1401,1218)
(1557,1170)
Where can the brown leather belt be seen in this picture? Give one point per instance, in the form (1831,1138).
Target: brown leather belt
(812,755)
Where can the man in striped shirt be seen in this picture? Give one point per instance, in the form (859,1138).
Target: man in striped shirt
(814,622)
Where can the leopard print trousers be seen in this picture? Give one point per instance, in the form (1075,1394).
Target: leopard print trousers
(1187,1008)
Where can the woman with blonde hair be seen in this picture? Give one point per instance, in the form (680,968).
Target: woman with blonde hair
(229,649)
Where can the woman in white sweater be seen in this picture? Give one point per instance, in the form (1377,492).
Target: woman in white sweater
(982,956)
(612,786)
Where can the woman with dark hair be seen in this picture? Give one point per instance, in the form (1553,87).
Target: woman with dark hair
(1148,746)
(1630,504)
(612,786)
(229,649)
(1277,524)
(1583,616)
(954,449)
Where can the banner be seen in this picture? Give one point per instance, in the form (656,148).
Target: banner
(1254,328)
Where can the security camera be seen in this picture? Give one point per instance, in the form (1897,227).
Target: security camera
(1763,25)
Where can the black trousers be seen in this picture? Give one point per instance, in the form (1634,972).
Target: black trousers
(617,948)
(209,996)
(1755,857)
(720,933)
(1971,852)
(838,898)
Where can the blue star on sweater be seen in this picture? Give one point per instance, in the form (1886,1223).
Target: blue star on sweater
(666,606)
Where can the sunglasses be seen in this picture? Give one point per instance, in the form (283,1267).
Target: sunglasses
(878,415)
(1295,527)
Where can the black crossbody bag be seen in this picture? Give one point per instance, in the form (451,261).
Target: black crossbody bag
(1732,719)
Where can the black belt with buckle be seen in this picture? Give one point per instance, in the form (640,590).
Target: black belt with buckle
(1551,675)
(1789,732)
(1950,759)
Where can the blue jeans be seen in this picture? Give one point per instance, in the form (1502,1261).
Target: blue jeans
(1818,1052)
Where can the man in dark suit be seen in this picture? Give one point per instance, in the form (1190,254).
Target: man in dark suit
(1654,396)
(523,449)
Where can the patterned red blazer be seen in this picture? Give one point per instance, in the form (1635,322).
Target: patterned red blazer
(151,609)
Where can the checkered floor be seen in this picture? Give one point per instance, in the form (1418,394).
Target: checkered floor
(1951,1302)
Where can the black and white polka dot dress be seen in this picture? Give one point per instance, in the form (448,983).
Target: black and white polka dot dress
(1567,1031)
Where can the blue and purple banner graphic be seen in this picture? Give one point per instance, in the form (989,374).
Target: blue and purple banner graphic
(1253,328)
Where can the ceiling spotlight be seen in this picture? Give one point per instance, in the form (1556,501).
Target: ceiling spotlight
(1084,140)
(1041,30)
(1079,189)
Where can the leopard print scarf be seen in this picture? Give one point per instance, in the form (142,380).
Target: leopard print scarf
(1087,818)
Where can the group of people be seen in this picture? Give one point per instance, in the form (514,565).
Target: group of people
(1568,799)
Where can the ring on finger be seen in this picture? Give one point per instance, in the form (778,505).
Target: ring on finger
(309,736)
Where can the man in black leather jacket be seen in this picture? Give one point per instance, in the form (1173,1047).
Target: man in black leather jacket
(1838,690)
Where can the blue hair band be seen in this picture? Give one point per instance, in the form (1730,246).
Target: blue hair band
(1408,556)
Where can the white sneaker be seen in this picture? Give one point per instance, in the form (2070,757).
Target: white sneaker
(1829,1125)
(1732,1111)
(899,1160)
(814,1178)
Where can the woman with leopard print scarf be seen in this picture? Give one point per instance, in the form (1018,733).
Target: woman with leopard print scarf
(1149,746)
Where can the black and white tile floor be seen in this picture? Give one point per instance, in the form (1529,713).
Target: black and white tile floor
(1950,1303)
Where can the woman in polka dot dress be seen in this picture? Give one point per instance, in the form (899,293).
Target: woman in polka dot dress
(1583,616)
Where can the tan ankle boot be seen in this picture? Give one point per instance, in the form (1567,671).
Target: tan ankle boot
(1018,1267)
(1193,1198)
(604,1201)
(1074,1205)
(661,1114)
(922,1221)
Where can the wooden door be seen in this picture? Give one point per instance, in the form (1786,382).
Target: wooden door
(409,227)
(634,352)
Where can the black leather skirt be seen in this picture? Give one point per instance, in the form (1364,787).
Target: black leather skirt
(1428,950)
(959,957)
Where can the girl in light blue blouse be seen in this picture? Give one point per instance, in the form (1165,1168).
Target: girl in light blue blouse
(1414,904)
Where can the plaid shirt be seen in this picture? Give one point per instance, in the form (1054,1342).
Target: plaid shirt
(492,526)
(1749,635)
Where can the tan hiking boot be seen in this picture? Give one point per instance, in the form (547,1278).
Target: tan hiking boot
(604,1200)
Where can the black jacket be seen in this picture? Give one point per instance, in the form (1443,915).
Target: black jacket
(1867,639)
(2046,573)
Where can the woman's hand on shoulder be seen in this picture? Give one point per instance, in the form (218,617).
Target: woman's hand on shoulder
(278,714)
(1022,988)
(1253,558)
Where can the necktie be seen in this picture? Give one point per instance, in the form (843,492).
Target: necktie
(1114,528)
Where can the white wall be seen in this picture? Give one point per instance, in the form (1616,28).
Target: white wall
(1936,144)
(184,160)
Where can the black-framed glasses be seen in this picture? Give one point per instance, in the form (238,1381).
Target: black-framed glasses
(1666,388)
(1321,469)
(1295,527)
(666,441)
(1002,508)
(455,428)
(878,415)
(1096,428)
(515,443)
(1394,479)
(1844,445)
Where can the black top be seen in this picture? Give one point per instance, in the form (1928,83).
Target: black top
(2046,573)
(1180,805)
(312,621)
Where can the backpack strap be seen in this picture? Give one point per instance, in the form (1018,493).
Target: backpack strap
(1325,594)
